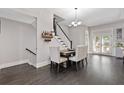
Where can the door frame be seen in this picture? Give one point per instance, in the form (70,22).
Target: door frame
(101,34)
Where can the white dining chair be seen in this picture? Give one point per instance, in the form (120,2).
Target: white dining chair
(122,48)
(85,53)
(79,56)
(55,56)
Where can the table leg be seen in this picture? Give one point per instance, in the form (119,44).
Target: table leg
(76,67)
(58,68)
(68,62)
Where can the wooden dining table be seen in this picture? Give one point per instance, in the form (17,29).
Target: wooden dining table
(67,53)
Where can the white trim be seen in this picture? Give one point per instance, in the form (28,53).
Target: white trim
(13,63)
(30,63)
(41,64)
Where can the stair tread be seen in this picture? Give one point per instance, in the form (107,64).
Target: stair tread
(62,43)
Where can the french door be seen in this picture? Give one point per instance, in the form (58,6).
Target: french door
(102,43)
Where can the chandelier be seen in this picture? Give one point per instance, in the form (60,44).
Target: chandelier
(76,22)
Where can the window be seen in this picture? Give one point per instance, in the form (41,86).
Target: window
(86,37)
(0,26)
(119,33)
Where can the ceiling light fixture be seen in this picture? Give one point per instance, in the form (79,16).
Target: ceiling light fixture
(76,21)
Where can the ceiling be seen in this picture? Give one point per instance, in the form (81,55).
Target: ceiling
(9,13)
(89,16)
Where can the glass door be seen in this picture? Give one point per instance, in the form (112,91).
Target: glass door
(102,44)
(106,44)
(97,44)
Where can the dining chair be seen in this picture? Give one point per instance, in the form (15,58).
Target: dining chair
(122,48)
(79,55)
(85,53)
(55,56)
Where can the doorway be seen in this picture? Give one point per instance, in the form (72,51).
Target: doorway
(102,43)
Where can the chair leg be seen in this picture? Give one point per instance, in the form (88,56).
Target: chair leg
(51,65)
(58,68)
(82,63)
(71,63)
(76,66)
(86,60)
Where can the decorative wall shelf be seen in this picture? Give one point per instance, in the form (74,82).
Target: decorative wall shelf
(47,36)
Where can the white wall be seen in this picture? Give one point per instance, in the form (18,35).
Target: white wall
(77,35)
(44,23)
(14,38)
(110,27)
(28,40)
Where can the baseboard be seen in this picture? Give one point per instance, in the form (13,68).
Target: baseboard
(43,63)
(40,64)
(103,55)
(30,63)
(13,63)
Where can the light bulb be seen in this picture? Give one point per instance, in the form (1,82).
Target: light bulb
(73,23)
(79,22)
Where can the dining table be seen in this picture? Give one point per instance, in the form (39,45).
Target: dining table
(67,53)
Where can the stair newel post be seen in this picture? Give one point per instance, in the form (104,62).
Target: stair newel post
(71,44)
(54,26)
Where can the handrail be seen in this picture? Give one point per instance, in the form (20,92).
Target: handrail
(65,34)
(30,51)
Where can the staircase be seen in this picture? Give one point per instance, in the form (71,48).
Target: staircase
(57,41)
(61,43)
(64,44)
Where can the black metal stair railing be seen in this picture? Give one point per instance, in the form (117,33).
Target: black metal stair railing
(30,51)
(64,34)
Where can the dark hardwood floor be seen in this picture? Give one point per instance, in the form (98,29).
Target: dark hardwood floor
(100,70)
